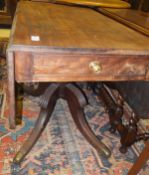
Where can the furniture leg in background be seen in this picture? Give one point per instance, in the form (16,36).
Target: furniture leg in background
(128,132)
(142,159)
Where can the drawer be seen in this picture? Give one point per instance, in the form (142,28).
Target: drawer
(32,67)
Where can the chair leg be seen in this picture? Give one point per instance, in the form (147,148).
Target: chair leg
(142,159)
(76,102)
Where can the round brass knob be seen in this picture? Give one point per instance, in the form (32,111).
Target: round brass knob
(95,66)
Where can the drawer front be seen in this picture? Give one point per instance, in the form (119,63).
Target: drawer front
(78,67)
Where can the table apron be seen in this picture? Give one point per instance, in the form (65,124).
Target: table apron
(53,67)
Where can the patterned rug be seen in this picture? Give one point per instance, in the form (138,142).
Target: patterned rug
(61,149)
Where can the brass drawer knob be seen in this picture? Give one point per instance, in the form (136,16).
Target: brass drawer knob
(95,66)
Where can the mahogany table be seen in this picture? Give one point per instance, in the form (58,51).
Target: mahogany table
(62,44)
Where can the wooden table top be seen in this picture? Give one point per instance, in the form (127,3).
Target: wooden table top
(96,3)
(92,3)
(132,18)
(61,27)
(133,15)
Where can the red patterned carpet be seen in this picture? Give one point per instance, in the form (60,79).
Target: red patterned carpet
(61,149)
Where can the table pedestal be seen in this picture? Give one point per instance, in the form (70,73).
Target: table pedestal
(76,102)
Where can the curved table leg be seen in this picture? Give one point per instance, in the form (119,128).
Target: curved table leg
(76,102)
(48,101)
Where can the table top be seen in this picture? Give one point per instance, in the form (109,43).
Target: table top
(134,16)
(60,27)
(130,17)
(92,3)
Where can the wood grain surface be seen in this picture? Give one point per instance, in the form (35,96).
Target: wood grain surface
(129,17)
(73,28)
(45,67)
(96,3)
(91,3)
